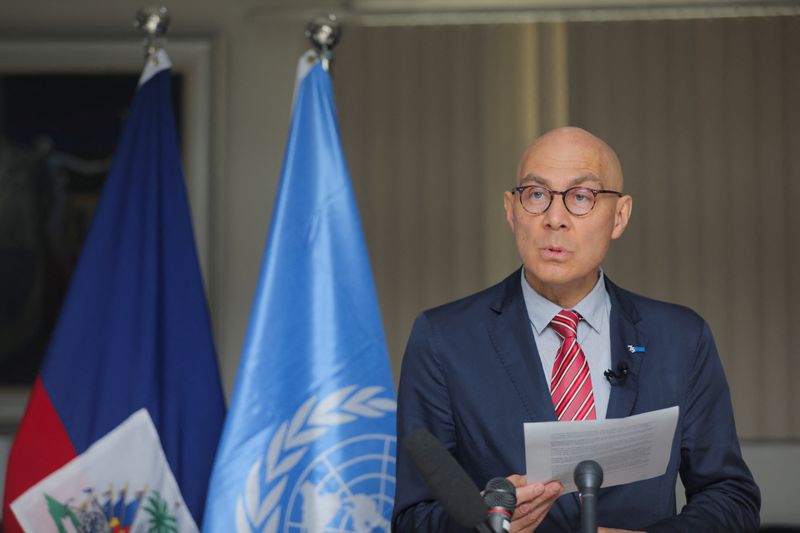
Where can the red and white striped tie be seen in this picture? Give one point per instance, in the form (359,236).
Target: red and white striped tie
(571,386)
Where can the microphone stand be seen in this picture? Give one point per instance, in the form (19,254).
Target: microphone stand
(588,513)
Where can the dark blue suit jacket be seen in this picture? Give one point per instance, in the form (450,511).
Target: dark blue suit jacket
(472,376)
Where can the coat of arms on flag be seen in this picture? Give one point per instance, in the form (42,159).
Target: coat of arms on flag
(121,484)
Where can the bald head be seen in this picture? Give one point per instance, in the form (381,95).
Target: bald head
(573,147)
(560,250)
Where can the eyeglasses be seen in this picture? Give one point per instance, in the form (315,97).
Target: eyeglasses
(536,199)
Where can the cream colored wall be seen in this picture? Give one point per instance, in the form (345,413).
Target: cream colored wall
(259,63)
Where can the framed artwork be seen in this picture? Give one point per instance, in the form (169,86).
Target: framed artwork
(62,109)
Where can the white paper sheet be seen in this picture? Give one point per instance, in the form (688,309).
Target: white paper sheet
(628,449)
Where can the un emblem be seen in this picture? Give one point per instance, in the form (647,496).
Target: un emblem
(348,487)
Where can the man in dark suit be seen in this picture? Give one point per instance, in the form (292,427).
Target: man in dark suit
(477,369)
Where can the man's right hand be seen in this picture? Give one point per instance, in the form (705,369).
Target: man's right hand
(534,501)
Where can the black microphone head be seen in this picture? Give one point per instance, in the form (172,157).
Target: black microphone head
(447,481)
(588,477)
(500,492)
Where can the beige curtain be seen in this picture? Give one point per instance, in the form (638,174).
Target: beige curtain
(433,120)
(706,117)
(704,114)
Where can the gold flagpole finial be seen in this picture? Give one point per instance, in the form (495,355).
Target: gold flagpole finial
(324,32)
(153,21)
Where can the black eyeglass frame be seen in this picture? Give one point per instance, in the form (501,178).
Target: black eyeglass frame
(519,190)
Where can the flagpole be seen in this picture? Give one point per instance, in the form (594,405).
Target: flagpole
(153,21)
(324,32)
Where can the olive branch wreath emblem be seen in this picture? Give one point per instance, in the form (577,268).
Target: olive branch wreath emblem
(289,445)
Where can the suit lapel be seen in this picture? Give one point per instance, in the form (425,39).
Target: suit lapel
(628,345)
(512,338)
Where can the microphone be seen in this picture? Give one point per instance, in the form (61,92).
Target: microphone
(618,377)
(501,498)
(447,481)
(588,477)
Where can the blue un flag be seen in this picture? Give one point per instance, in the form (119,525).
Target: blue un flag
(309,441)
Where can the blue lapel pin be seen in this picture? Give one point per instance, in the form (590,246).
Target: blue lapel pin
(635,349)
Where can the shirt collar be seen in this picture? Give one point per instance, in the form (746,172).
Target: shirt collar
(541,310)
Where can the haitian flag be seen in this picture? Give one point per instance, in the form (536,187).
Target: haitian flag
(309,442)
(124,418)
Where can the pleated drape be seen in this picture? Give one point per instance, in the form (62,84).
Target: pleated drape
(704,113)
(433,120)
(706,117)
